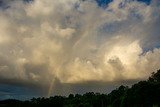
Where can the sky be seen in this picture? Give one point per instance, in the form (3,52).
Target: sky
(50,47)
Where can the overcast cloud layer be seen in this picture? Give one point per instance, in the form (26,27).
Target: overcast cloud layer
(75,41)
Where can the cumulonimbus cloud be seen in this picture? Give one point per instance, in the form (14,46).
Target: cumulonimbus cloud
(75,41)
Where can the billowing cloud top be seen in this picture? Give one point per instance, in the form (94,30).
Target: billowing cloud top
(74,41)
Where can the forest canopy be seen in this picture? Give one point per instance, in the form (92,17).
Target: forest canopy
(142,94)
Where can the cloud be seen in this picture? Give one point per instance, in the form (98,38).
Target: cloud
(74,41)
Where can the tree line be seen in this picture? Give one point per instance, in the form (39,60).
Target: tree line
(142,94)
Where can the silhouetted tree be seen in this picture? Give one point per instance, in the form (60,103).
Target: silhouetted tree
(141,94)
(155,77)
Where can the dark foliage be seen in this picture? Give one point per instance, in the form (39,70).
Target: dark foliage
(142,94)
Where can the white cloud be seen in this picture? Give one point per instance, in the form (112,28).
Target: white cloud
(77,41)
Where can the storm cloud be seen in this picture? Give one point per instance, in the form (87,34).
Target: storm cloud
(76,41)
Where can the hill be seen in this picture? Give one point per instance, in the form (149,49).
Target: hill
(142,94)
